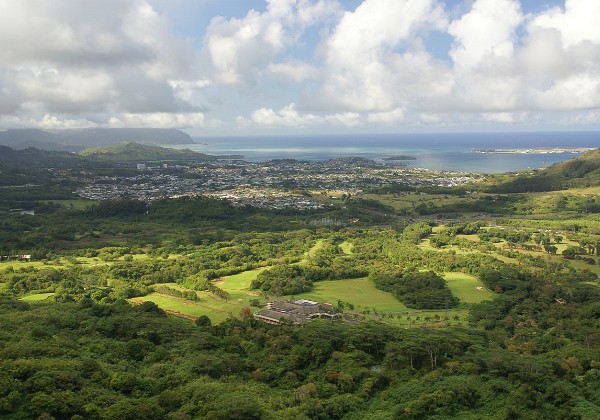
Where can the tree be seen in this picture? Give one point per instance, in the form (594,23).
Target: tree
(203,321)
(245,313)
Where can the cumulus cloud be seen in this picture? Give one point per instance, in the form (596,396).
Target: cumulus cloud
(158,120)
(288,116)
(300,64)
(577,22)
(390,117)
(63,62)
(240,49)
(560,60)
(486,34)
(374,49)
(294,70)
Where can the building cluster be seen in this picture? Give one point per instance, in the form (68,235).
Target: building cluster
(262,184)
(147,186)
(295,312)
(267,198)
(20,257)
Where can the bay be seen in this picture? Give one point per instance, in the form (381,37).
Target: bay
(438,151)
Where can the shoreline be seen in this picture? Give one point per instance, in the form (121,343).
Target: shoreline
(537,150)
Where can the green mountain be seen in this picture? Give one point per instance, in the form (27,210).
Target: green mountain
(35,156)
(130,152)
(74,140)
(582,171)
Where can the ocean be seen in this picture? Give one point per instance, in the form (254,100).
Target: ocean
(452,152)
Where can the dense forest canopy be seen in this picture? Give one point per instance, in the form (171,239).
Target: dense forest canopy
(462,303)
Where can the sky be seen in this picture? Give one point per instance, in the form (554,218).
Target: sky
(250,67)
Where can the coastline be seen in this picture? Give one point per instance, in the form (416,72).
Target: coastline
(537,150)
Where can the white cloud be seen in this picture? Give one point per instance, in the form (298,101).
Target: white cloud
(576,23)
(240,49)
(486,34)
(158,120)
(122,62)
(582,118)
(365,70)
(184,89)
(47,121)
(62,59)
(65,90)
(503,117)
(294,70)
(288,116)
(391,117)
(560,59)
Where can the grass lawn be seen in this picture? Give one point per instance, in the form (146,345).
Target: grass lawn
(38,297)
(238,285)
(472,238)
(64,262)
(464,287)
(26,264)
(359,292)
(346,247)
(362,293)
(217,310)
(175,286)
(311,252)
(364,296)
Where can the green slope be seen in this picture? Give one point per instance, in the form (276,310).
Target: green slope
(582,171)
(132,151)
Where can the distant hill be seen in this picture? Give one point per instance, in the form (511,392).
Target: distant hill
(135,152)
(582,171)
(76,140)
(40,139)
(33,156)
(92,137)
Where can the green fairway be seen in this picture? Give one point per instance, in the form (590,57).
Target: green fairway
(465,287)
(38,297)
(15,265)
(311,252)
(217,310)
(359,292)
(63,262)
(346,247)
(238,285)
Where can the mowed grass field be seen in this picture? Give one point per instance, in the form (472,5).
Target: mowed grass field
(38,297)
(346,247)
(362,293)
(238,285)
(465,287)
(217,310)
(577,264)
(64,262)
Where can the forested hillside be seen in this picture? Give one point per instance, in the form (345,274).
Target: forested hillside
(128,309)
(73,140)
(582,171)
(128,152)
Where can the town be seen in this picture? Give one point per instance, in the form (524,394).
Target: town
(271,184)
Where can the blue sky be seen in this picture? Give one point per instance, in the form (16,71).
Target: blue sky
(235,67)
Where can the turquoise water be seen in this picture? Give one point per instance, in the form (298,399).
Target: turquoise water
(455,152)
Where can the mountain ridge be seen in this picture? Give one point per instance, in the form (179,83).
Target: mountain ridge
(581,171)
(133,151)
(74,140)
